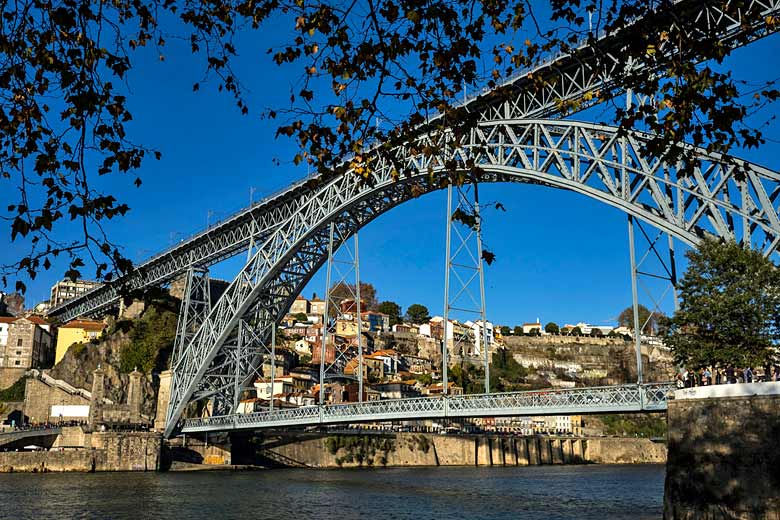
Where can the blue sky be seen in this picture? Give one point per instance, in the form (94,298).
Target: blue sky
(560,256)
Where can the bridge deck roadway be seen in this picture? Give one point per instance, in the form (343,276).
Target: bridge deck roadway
(633,398)
(18,435)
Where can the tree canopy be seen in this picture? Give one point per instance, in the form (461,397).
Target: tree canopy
(346,291)
(650,322)
(552,328)
(64,116)
(392,309)
(729,308)
(418,314)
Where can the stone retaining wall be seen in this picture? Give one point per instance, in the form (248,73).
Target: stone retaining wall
(410,449)
(724,460)
(107,451)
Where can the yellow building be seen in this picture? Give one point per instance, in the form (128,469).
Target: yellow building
(76,331)
(347,328)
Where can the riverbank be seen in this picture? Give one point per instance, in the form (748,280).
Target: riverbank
(76,451)
(73,450)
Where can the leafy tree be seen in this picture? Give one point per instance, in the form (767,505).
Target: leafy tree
(392,309)
(729,307)
(346,291)
(301,317)
(518,331)
(505,331)
(595,332)
(646,320)
(506,370)
(552,328)
(418,314)
(576,331)
(65,114)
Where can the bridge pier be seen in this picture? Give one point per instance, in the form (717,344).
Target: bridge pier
(483,451)
(723,456)
(521,447)
(556,447)
(497,451)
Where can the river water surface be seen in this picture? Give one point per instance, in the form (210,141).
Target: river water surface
(537,492)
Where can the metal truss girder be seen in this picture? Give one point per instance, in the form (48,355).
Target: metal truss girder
(552,154)
(650,397)
(569,77)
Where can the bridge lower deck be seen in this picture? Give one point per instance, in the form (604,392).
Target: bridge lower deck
(634,398)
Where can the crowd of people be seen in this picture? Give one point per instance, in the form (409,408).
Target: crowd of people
(729,374)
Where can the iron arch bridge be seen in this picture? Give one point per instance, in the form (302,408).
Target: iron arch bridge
(288,234)
(218,360)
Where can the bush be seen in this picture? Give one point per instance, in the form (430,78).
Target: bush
(77,349)
(635,425)
(151,340)
(15,392)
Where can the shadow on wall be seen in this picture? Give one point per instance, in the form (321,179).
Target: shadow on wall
(724,458)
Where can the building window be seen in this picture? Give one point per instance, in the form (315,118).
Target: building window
(18,352)
(17,362)
(19,342)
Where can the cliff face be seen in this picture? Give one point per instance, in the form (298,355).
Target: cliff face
(599,360)
(143,343)
(77,365)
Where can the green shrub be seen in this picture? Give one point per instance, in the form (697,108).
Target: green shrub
(151,341)
(77,349)
(15,392)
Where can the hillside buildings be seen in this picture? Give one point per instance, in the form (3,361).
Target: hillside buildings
(76,331)
(25,342)
(68,289)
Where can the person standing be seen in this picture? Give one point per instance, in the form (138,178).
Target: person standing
(730,379)
(748,374)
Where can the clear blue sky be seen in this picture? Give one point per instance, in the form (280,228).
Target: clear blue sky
(560,256)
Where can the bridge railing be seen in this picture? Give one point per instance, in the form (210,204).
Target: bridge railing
(580,399)
(655,395)
(605,399)
(305,414)
(416,406)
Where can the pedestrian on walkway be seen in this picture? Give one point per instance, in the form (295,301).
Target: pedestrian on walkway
(730,378)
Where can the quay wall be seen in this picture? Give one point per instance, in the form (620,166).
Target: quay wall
(101,451)
(417,449)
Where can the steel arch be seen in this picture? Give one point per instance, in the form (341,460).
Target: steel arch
(593,160)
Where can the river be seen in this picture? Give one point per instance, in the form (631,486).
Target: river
(538,492)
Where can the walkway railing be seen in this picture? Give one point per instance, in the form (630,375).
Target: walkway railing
(650,397)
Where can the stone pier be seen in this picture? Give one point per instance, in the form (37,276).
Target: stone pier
(724,460)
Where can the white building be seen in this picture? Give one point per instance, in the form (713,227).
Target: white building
(68,289)
(477,332)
